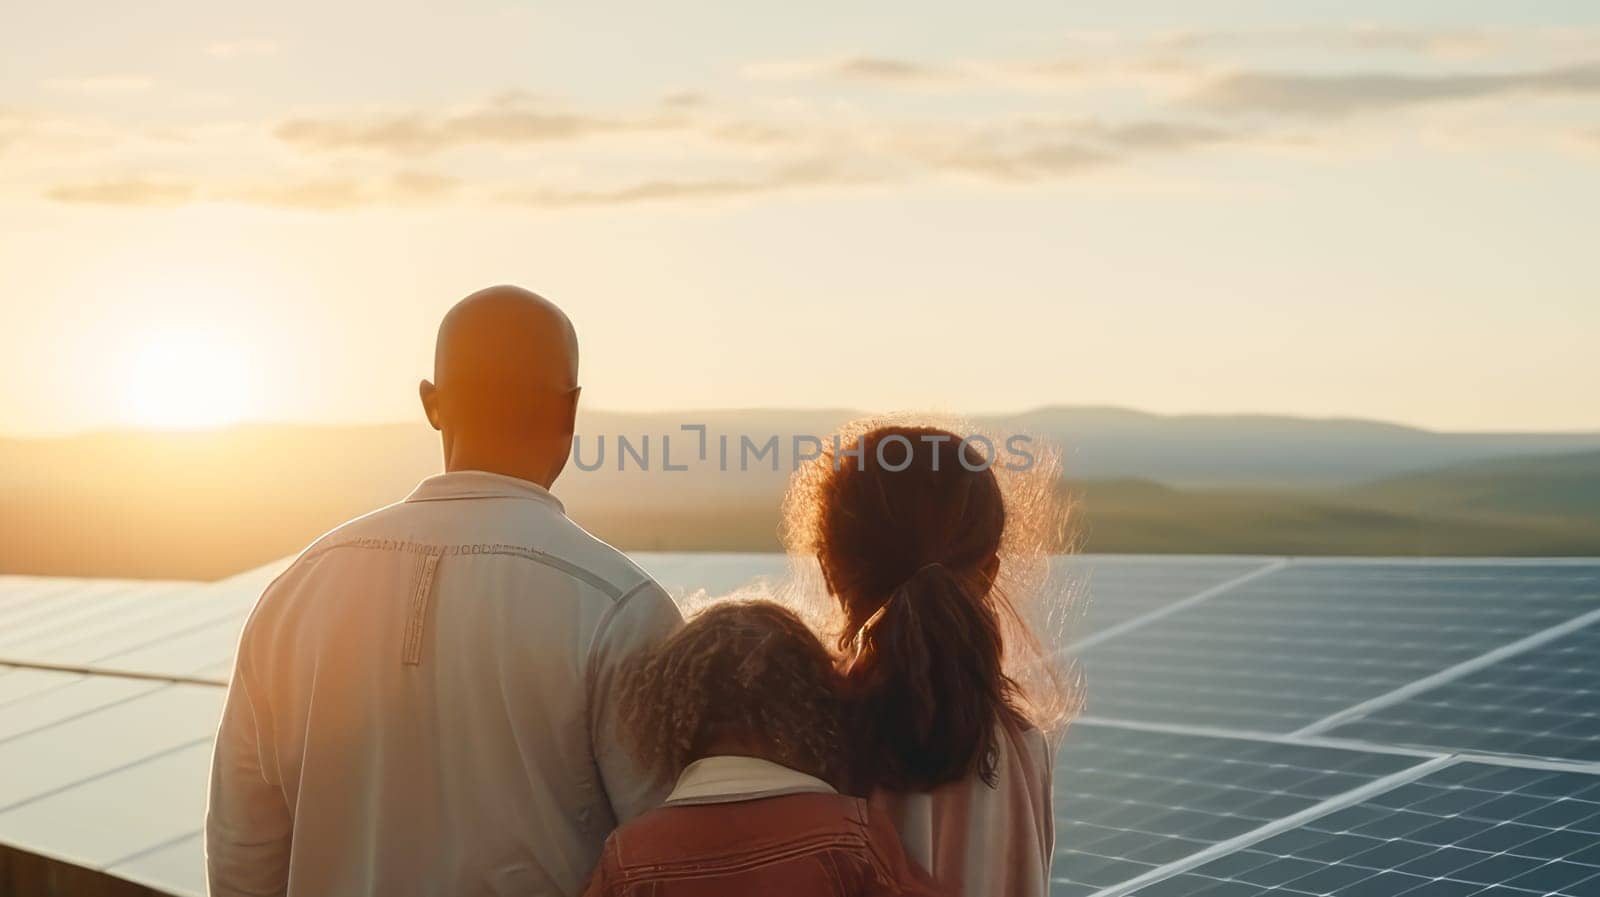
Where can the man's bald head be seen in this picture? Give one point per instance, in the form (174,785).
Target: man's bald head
(506,337)
(505,384)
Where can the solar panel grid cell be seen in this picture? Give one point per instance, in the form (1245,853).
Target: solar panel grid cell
(1305,642)
(1130,801)
(1542,703)
(1121,589)
(1469,829)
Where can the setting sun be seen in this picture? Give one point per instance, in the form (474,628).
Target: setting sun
(187,378)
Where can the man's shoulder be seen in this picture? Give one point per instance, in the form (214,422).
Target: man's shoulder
(621,575)
(350,533)
(551,541)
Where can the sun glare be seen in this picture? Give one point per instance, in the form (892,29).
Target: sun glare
(187,379)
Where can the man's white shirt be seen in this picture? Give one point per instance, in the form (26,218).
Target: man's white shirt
(425,703)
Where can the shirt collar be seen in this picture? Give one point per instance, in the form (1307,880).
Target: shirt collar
(464,484)
(728,778)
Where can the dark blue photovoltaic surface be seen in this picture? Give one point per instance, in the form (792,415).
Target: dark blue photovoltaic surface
(1119,589)
(1469,829)
(1542,703)
(1292,647)
(1129,801)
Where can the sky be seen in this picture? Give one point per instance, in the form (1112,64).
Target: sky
(213,212)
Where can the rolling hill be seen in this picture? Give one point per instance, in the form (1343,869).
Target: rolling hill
(207,503)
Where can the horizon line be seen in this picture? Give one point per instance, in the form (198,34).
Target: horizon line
(124,429)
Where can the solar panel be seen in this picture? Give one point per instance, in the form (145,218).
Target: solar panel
(71,696)
(1469,829)
(46,604)
(93,634)
(15,591)
(1121,588)
(1287,649)
(177,867)
(183,654)
(58,619)
(1174,780)
(40,762)
(1129,801)
(17,684)
(104,819)
(1544,702)
(127,627)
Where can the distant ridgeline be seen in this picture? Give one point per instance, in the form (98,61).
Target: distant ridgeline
(207,503)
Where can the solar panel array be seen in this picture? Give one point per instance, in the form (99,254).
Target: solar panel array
(1255,725)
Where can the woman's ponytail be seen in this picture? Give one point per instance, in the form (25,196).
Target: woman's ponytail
(927,685)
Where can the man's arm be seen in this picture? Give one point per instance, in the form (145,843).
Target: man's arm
(247,821)
(640,620)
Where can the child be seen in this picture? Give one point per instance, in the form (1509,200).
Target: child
(744,705)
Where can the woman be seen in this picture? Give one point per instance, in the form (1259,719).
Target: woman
(952,698)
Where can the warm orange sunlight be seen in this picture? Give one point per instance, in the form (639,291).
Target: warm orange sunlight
(187,378)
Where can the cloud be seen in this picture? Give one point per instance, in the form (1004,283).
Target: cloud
(1076,72)
(684,99)
(1043,149)
(791,177)
(1048,160)
(101,84)
(236,49)
(332,194)
(14,127)
(314,194)
(127,192)
(508,120)
(1347,94)
(804,155)
(1441,42)
(1162,136)
(1429,42)
(679,146)
(861,69)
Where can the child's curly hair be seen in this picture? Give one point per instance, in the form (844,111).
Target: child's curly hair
(745,672)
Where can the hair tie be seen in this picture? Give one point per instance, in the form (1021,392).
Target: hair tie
(884,607)
(859,640)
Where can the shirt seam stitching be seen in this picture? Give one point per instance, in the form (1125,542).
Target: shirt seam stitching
(583,574)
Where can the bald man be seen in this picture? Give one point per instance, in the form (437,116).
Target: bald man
(424,703)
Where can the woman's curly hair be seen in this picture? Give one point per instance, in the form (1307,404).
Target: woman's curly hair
(746,672)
